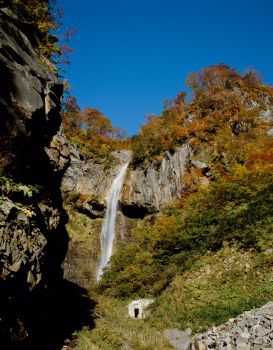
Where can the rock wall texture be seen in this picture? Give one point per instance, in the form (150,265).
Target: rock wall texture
(33,157)
(29,105)
(146,189)
(91,181)
(153,187)
(85,186)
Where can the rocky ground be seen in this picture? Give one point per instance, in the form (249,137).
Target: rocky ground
(252,330)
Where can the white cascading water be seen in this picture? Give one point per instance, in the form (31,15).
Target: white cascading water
(108,228)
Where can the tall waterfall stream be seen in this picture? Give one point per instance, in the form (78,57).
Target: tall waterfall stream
(108,228)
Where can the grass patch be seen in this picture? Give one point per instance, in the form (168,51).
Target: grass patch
(114,329)
(219,286)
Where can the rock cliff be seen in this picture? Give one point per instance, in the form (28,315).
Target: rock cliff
(85,186)
(91,181)
(146,189)
(152,188)
(33,157)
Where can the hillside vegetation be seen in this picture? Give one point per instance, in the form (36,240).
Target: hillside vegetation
(223,104)
(208,256)
(226,201)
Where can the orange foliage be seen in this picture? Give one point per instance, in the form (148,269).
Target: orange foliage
(164,224)
(91,130)
(261,157)
(219,111)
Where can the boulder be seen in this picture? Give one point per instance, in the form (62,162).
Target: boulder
(180,340)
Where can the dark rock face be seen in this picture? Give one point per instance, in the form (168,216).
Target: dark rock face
(29,105)
(33,157)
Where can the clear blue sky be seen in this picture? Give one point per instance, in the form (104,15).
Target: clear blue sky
(130,55)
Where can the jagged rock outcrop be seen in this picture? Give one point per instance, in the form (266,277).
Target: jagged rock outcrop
(29,105)
(146,189)
(33,157)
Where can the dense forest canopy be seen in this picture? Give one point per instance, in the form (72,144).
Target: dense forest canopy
(220,96)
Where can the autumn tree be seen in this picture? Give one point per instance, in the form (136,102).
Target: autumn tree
(223,103)
(72,120)
(42,19)
(92,131)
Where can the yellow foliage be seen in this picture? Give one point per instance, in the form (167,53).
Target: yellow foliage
(39,14)
(28,212)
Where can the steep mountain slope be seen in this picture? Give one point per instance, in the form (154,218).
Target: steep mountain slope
(226,189)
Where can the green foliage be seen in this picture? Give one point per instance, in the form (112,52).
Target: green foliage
(114,329)
(104,336)
(9,187)
(228,212)
(218,286)
(220,312)
(14,195)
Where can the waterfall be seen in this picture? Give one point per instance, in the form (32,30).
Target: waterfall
(108,228)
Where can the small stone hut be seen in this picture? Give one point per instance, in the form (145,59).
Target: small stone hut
(136,309)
